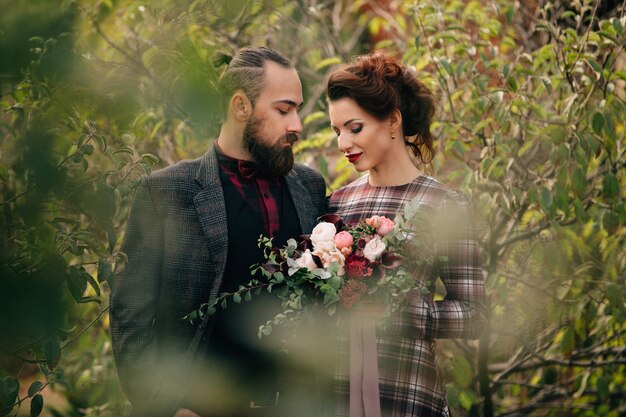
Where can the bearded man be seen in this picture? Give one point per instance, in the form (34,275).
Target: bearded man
(192,234)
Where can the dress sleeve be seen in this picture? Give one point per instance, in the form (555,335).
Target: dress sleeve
(462,313)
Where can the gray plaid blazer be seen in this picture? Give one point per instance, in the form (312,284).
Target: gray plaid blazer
(176,241)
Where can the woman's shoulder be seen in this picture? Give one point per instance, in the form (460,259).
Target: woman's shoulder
(431,190)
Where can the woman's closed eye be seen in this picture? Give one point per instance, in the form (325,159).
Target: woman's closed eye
(356,129)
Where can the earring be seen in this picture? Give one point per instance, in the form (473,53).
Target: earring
(392,137)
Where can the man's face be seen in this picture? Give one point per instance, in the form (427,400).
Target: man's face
(274,125)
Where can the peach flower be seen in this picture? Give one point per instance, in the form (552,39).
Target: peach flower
(382,224)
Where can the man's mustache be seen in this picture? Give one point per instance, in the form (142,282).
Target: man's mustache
(291,138)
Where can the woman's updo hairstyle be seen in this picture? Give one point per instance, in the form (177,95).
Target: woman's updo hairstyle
(379,85)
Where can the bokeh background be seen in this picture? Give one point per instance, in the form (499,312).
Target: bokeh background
(530,125)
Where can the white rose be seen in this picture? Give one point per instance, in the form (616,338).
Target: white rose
(333,256)
(324,247)
(373,249)
(306,260)
(323,232)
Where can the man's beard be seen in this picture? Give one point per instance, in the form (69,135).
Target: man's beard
(271,160)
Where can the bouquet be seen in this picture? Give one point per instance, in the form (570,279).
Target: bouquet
(336,265)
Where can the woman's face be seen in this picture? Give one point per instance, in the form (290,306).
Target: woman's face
(362,138)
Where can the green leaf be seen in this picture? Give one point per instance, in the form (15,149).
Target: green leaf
(89,300)
(614,294)
(579,182)
(323,166)
(105,270)
(111,238)
(467,399)
(610,221)
(462,372)
(9,389)
(547,84)
(598,122)
(151,158)
(94,284)
(4,173)
(569,341)
(545,199)
(610,187)
(77,283)
(602,385)
(327,62)
(248,296)
(446,65)
(34,388)
(53,353)
(237,298)
(36,405)
(124,149)
(101,142)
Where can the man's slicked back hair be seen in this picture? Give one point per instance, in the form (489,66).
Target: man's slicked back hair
(246,72)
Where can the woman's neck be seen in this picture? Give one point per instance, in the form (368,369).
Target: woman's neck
(396,170)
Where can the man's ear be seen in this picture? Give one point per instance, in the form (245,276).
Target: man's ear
(241,106)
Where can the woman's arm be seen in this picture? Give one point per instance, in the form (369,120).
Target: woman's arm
(462,313)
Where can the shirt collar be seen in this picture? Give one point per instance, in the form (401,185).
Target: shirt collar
(244,169)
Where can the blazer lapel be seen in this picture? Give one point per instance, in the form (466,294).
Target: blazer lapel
(211,209)
(302,201)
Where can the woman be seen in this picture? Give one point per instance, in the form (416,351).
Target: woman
(380,113)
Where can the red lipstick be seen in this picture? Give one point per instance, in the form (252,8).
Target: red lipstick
(353,157)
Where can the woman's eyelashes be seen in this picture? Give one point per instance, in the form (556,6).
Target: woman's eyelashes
(356,129)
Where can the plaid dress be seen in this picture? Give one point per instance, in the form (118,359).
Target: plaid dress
(410,383)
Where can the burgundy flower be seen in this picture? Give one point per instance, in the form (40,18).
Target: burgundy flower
(318,261)
(304,243)
(390,260)
(358,266)
(271,267)
(378,272)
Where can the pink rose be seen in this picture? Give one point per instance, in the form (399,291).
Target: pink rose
(343,240)
(386,226)
(382,224)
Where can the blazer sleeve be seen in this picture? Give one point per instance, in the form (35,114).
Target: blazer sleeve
(134,300)
(462,313)
(316,186)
